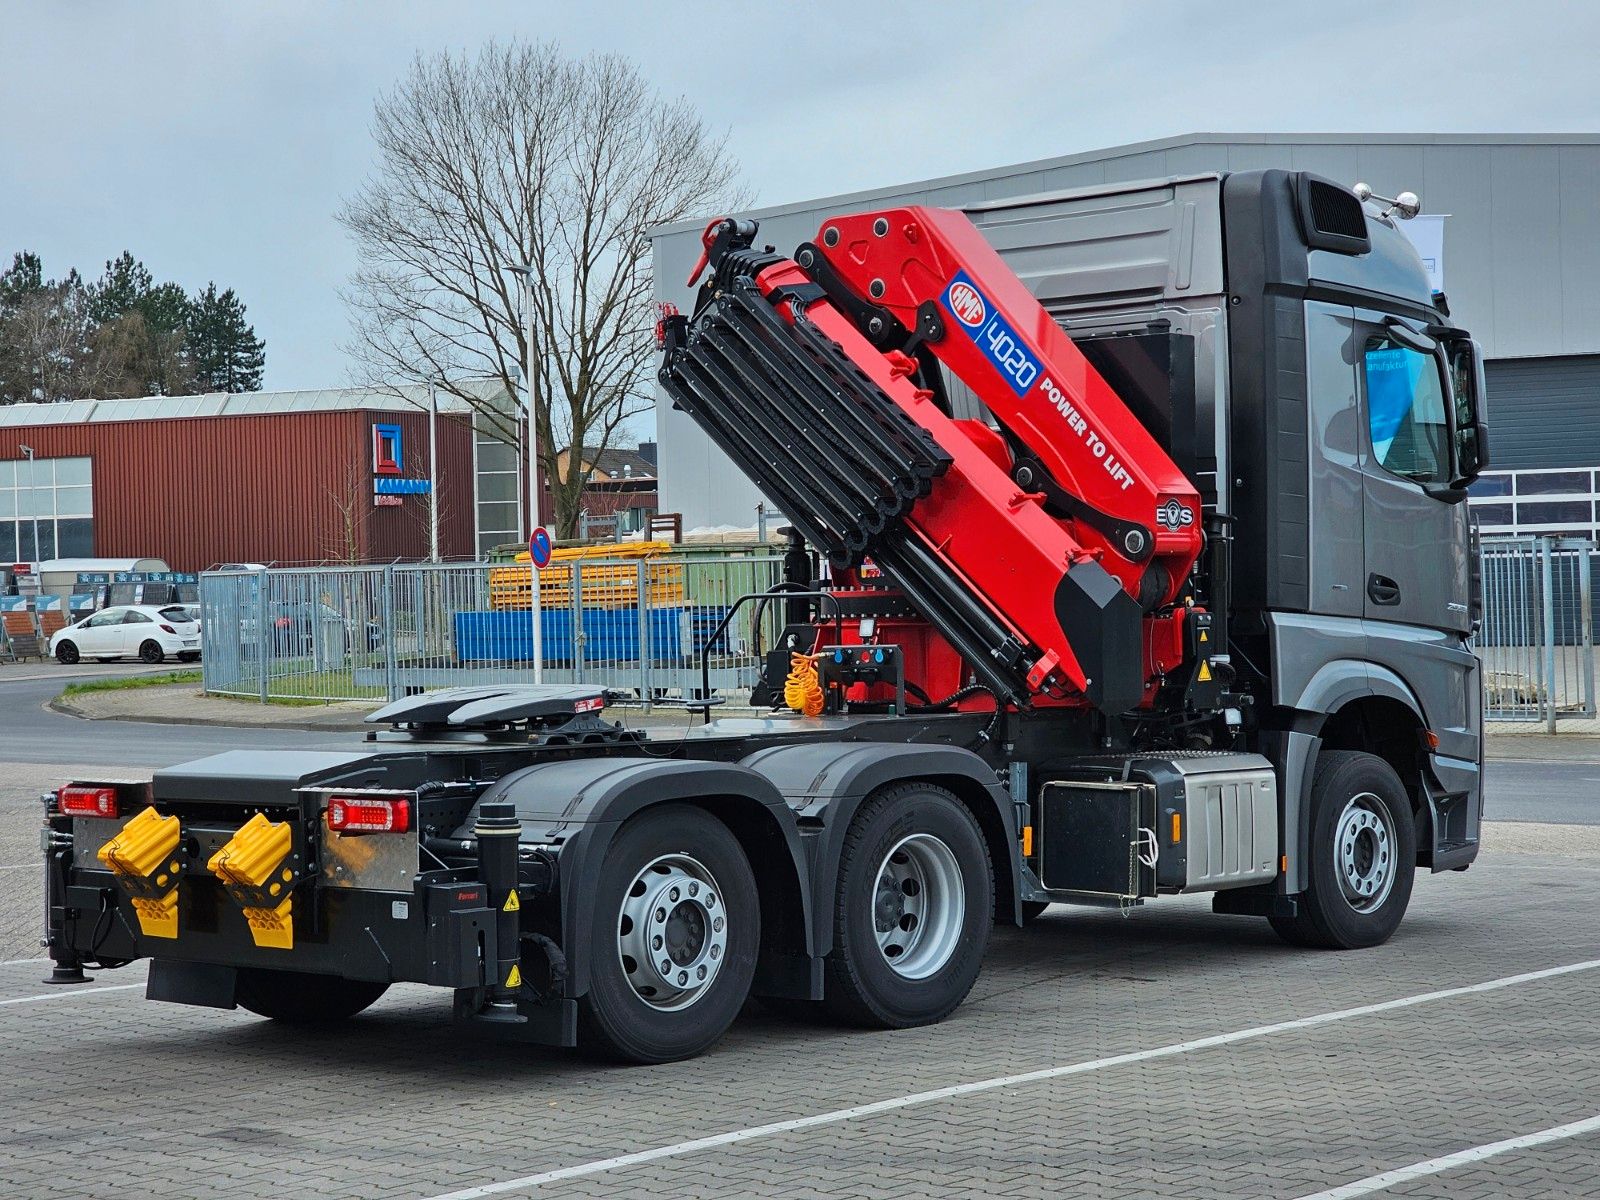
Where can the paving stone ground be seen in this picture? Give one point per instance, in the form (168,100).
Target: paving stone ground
(106,1095)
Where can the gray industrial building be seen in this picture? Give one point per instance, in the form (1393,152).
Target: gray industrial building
(1520,265)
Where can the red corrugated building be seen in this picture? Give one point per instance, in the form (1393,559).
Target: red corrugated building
(281,478)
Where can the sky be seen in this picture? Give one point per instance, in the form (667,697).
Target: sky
(216,141)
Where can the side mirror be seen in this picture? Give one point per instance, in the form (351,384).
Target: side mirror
(1469,410)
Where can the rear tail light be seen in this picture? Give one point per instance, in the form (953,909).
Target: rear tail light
(88,801)
(282,622)
(169,629)
(368,814)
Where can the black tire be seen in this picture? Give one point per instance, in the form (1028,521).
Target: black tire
(67,654)
(862,987)
(299,998)
(616,1020)
(1032,910)
(152,653)
(1328,918)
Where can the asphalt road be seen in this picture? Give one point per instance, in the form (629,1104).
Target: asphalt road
(1566,792)
(32,733)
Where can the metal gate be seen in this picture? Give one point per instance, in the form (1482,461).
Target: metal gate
(1536,635)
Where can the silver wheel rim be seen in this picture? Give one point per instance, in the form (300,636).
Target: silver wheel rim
(918,906)
(672,932)
(1364,851)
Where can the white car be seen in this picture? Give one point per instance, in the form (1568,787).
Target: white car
(143,631)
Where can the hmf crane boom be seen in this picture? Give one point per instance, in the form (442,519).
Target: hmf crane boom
(1051,550)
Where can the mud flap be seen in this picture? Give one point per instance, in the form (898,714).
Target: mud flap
(207,985)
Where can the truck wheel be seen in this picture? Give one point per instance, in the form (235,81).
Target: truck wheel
(66,654)
(676,929)
(301,998)
(1363,855)
(913,910)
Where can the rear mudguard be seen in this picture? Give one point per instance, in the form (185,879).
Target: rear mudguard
(581,803)
(825,785)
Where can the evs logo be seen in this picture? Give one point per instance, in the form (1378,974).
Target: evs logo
(964,301)
(991,333)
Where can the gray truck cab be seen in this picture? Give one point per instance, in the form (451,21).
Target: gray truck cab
(1282,341)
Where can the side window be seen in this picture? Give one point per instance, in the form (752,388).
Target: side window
(1406,411)
(111,616)
(135,617)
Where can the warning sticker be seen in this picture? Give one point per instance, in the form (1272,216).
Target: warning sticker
(514,978)
(512,904)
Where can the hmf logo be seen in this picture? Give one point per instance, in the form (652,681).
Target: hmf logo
(967,305)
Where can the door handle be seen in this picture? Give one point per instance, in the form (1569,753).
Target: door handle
(1382,590)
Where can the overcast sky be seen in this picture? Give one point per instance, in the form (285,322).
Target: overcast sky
(215,140)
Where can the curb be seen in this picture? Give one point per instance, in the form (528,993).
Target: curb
(65,709)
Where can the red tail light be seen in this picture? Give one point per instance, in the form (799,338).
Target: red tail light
(88,801)
(368,814)
(169,629)
(282,622)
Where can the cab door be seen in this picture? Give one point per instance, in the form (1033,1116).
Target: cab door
(1415,523)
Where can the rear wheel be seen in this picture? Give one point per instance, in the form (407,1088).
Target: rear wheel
(1363,855)
(676,931)
(300,998)
(66,653)
(151,652)
(913,909)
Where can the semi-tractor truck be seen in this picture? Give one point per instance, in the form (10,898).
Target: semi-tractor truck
(1128,559)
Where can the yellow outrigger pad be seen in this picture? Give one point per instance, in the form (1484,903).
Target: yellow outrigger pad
(252,861)
(144,857)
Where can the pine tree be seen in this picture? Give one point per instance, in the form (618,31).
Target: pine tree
(223,347)
(151,320)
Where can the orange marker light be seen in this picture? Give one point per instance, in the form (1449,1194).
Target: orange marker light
(1027,841)
(1177,828)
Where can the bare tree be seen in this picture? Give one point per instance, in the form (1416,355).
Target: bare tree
(349,508)
(516,156)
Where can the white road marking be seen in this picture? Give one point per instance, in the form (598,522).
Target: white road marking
(1462,1158)
(678,1149)
(22,866)
(68,995)
(23,962)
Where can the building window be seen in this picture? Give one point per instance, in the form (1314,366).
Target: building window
(54,496)
(1558,500)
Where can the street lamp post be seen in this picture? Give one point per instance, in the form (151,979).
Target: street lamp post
(535,491)
(33,502)
(433,471)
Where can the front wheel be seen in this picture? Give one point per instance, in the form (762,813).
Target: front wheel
(67,654)
(1363,855)
(152,653)
(913,910)
(676,930)
(300,998)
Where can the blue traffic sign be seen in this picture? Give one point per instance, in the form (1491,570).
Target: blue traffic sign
(540,547)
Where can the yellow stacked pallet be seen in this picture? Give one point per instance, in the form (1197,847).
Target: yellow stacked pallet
(606,583)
